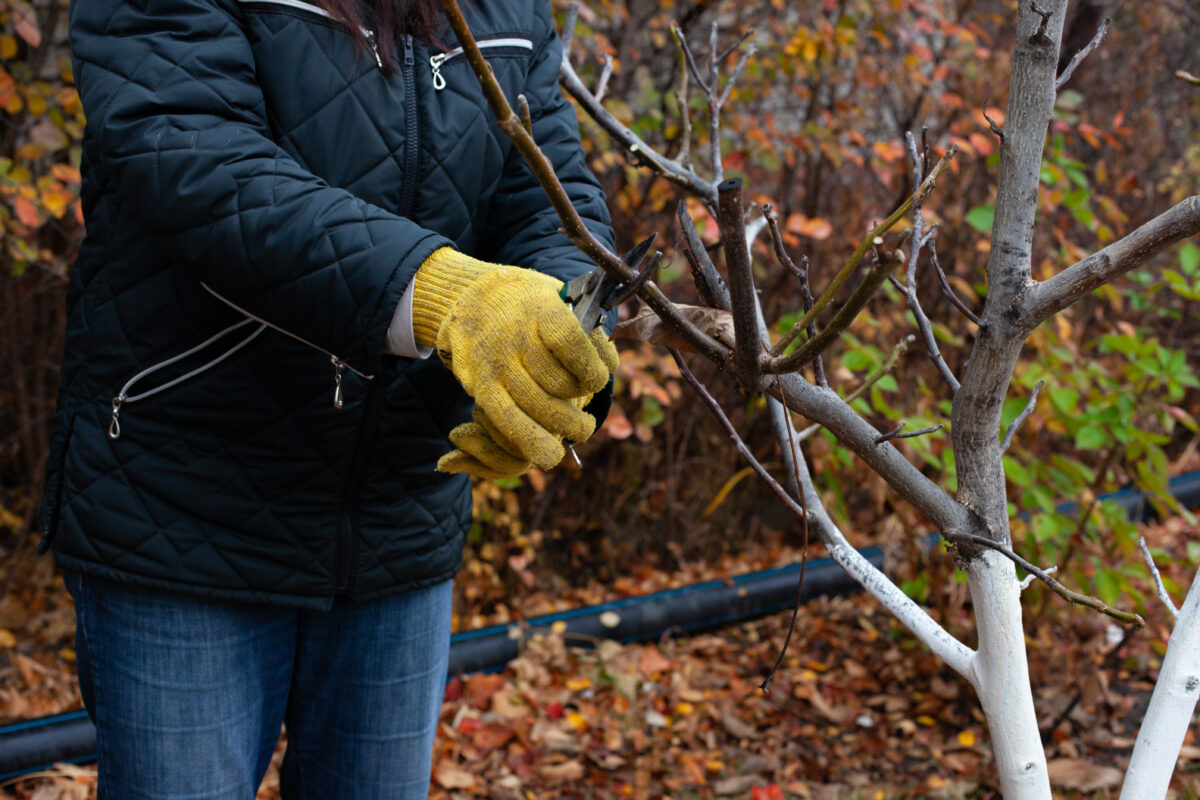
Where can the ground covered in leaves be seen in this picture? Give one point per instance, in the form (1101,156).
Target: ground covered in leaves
(856,710)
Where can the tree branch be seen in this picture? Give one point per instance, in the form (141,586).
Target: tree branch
(1131,251)
(1020,420)
(801,274)
(709,283)
(1078,58)
(1070,596)
(1158,581)
(953,652)
(948,290)
(747,345)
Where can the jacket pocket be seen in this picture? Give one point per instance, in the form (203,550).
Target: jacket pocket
(513,45)
(208,353)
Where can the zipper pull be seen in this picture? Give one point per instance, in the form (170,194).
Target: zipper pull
(114,427)
(338,366)
(435,66)
(374,47)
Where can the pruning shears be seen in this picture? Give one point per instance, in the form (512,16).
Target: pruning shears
(595,292)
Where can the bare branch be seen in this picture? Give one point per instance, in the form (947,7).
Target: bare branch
(526,118)
(605,75)
(678,173)
(741,282)
(856,257)
(1030,578)
(884,368)
(691,62)
(896,433)
(737,73)
(801,274)
(1127,253)
(1158,581)
(1020,420)
(912,616)
(1078,58)
(681,98)
(1075,598)
(573,224)
(1187,77)
(567,37)
(709,283)
(948,290)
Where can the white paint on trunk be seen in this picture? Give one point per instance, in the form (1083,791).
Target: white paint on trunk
(1000,674)
(1171,706)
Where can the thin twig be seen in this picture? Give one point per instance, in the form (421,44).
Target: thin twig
(1078,58)
(681,99)
(1020,420)
(605,75)
(568,30)
(948,290)
(1075,598)
(882,369)
(856,257)
(1030,578)
(1158,581)
(737,73)
(795,474)
(801,274)
(714,108)
(691,62)
(896,433)
(914,254)
(1187,77)
(811,348)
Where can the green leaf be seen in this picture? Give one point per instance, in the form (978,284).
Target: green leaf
(1189,258)
(1089,437)
(981,218)
(1064,400)
(1108,585)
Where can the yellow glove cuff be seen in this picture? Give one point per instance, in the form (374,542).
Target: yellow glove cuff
(437,286)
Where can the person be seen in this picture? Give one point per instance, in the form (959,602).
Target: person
(258,484)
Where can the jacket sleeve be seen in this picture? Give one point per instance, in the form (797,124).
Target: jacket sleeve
(522,226)
(178,127)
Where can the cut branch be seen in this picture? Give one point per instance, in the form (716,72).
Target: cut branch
(741,282)
(1131,251)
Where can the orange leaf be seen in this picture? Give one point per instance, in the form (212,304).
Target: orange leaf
(26,211)
(25,24)
(66,173)
(812,227)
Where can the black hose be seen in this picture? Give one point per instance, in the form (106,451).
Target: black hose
(39,743)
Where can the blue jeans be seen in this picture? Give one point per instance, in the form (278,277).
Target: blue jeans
(188,694)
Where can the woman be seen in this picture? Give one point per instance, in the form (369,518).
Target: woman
(285,206)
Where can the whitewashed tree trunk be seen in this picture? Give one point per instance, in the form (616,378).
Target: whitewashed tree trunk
(1171,707)
(1000,675)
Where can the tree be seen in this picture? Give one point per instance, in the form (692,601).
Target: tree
(975,521)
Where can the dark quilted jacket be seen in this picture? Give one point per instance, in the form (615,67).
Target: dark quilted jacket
(258,194)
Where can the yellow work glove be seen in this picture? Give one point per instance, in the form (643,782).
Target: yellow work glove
(515,347)
(485,452)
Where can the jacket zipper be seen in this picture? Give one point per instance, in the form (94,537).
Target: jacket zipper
(348,513)
(124,398)
(320,12)
(438,59)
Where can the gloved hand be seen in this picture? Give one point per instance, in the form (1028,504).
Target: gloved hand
(515,347)
(485,452)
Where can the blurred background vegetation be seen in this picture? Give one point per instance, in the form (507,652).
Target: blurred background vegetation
(815,125)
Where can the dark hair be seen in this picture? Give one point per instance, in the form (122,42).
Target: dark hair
(389,20)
